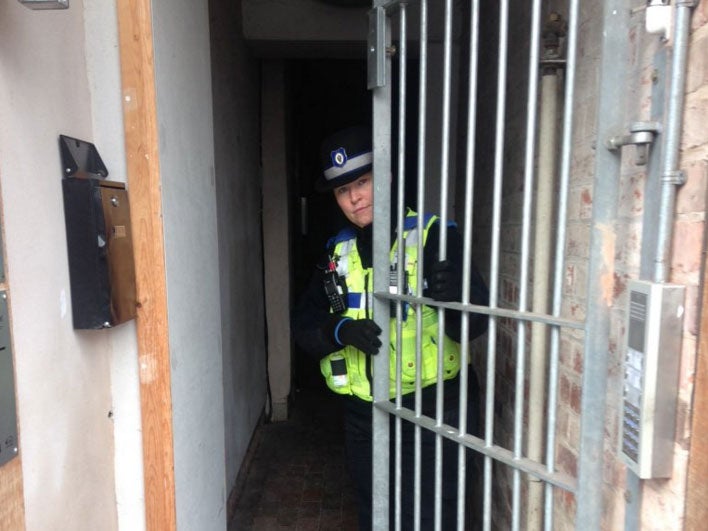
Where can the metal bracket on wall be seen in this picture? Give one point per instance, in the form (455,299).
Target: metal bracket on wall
(376,48)
(677,177)
(642,135)
(46,4)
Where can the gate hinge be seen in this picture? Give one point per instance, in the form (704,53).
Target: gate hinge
(376,48)
(641,134)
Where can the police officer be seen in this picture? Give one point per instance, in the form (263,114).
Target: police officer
(333,322)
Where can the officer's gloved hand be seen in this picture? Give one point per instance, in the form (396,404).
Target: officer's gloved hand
(445,282)
(362,334)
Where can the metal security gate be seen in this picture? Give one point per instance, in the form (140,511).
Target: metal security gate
(527,316)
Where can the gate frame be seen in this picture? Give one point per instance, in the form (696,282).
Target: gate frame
(588,488)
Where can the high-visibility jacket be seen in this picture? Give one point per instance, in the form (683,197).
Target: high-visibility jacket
(358,378)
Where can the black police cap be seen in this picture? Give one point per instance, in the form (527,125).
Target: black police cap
(345,155)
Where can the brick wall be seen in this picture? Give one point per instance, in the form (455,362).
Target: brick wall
(663,503)
(510,230)
(664,500)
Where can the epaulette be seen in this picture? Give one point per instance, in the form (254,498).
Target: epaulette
(347,233)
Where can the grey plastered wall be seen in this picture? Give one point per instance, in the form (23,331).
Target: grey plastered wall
(186,149)
(236,93)
(103,68)
(276,229)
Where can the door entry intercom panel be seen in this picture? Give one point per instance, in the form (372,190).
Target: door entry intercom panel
(98,233)
(8,416)
(651,365)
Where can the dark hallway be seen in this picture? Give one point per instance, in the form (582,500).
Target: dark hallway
(296,476)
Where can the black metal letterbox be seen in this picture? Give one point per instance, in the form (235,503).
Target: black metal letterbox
(100,248)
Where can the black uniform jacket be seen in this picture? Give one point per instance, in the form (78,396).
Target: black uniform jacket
(313,325)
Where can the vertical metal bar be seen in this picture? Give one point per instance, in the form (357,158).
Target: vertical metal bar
(467,257)
(381,247)
(445,133)
(525,239)
(420,207)
(613,78)
(401,248)
(566,148)
(444,181)
(494,261)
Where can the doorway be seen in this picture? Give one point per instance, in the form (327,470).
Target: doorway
(324,95)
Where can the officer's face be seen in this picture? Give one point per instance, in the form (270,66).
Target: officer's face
(356,200)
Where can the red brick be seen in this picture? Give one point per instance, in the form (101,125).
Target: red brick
(566,460)
(692,311)
(564,389)
(697,73)
(695,117)
(565,355)
(580,203)
(632,195)
(578,357)
(573,431)
(620,284)
(691,197)
(578,240)
(700,15)
(575,397)
(687,245)
(562,424)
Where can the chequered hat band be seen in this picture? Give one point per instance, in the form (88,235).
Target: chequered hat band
(351,164)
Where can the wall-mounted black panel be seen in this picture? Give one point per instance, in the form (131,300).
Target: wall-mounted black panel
(88,256)
(100,250)
(80,159)
(100,246)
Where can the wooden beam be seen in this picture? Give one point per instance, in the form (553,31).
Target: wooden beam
(12,494)
(12,504)
(141,145)
(697,487)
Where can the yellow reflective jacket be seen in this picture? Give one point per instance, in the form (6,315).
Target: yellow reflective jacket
(358,378)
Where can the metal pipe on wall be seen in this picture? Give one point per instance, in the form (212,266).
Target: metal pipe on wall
(670,179)
(671,139)
(543,244)
(541,266)
(529,174)
(571,41)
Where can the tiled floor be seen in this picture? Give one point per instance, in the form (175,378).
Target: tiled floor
(297,478)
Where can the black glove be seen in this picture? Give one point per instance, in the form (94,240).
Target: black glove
(362,334)
(445,282)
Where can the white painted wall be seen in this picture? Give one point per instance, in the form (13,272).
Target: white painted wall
(63,376)
(186,147)
(103,67)
(59,74)
(236,91)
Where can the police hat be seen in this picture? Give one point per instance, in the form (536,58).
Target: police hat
(346,155)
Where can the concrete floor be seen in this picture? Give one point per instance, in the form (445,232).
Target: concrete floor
(297,477)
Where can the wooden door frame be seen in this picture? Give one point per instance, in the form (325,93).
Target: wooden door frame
(143,168)
(696,486)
